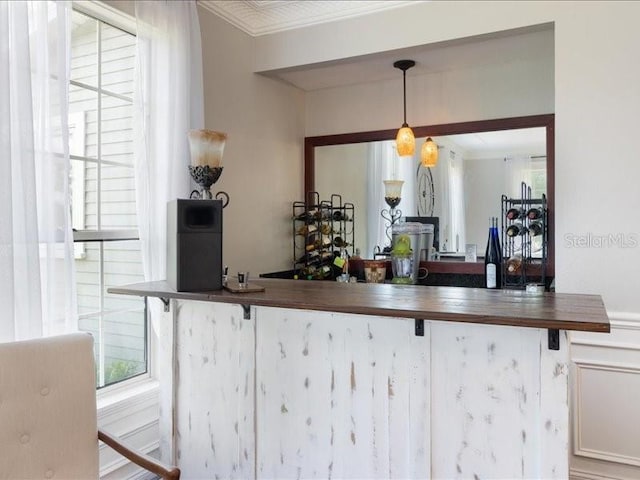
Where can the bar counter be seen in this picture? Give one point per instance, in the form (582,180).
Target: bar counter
(328,380)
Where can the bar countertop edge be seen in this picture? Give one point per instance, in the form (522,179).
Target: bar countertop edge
(516,308)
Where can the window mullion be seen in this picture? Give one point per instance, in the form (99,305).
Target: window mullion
(105,235)
(99,132)
(86,86)
(99,207)
(101,322)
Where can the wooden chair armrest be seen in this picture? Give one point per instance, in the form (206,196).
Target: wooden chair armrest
(145,461)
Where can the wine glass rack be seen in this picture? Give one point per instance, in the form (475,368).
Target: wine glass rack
(525,239)
(322,231)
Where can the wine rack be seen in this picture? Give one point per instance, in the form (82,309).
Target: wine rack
(524,239)
(322,231)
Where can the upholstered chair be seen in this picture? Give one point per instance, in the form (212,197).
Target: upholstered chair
(48,426)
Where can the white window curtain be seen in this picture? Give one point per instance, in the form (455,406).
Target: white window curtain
(518,171)
(168,102)
(383,163)
(456,203)
(451,200)
(37,290)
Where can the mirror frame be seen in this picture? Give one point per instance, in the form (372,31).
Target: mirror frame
(512,123)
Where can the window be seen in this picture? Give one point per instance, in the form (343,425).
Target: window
(107,249)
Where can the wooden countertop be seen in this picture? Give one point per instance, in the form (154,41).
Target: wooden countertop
(454,304)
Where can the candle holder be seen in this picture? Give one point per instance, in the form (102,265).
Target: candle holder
(393,197)
(206,148)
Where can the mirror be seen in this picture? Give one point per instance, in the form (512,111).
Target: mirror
(479,161)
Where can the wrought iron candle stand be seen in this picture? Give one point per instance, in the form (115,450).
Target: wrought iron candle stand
(393,196)
(205,176)
(391,215)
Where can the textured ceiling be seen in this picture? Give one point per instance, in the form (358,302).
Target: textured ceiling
(260,17)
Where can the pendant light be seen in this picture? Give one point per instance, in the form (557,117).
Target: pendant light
(405,140)
(429,153)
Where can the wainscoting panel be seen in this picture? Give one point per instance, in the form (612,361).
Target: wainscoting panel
(606,402)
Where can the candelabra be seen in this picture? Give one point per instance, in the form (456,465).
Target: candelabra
(207,148)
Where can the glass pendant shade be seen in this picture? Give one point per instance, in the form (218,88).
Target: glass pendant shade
(207,147)
(405,141)
(429,153)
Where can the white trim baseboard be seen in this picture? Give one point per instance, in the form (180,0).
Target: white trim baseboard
(580,474)
(132,414)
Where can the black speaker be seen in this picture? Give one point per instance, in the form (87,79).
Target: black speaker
(194,245)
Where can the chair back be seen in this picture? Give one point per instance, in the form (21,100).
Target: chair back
(48,425)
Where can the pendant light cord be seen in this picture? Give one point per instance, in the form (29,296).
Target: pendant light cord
(404,90)
(404,65)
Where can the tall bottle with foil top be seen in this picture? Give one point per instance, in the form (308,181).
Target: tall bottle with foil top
(493,258)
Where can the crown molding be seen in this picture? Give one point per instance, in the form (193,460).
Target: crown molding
(263,17)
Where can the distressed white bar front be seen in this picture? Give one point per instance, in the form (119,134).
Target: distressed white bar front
(295,394)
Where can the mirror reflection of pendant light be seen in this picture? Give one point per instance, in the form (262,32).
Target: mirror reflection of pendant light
(429,153)
(405,140)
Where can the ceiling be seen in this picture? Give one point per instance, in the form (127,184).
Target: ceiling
(536,43)
(487,144)
(261,17)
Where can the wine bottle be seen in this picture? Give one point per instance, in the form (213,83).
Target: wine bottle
(307,216)
(325,271)
(514,213)
(496,238)
(514,264)
(326,257)
(516,229)
(306,229)
(339,216)
(340,243)
(535,229)
(309,258)
(492,258)
(309,272)
(534,213)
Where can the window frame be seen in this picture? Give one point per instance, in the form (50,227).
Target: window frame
(122,21)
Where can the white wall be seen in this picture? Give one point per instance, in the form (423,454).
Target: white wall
(484,179)
(601,99)
(595,94)
(263,155)
(474,93)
